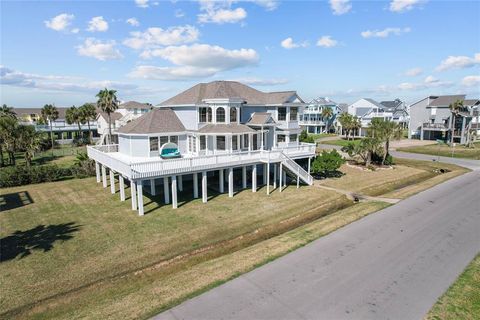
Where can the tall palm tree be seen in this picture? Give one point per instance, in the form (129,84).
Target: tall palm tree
(29,140)
(327,113)
(356,125)
(50,114)
(88,113)
(73,115)
(455,107)
(108,103)
(6,111)
(345,120)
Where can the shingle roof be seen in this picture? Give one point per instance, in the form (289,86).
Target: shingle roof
(114,115)
(226,128)
(155,121)
(343,107)
(225,90)
(446,100)
(322,100)
(374,102)
(391,105)
(133,105)
(260,118)
(38,111)
(471,102)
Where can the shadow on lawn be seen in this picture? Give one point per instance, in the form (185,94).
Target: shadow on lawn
(14,200)
(22,243)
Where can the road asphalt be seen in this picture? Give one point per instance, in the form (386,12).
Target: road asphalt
(393,264)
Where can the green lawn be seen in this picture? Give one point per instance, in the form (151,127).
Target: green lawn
(446,151)
(321,135)
(62,155)
(462,299)
(342,142)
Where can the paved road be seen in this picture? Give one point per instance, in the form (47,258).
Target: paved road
(393,264)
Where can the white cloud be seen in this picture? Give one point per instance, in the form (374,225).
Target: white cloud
(471,81)
(99,50)
(195,61)
(141,3)
(404,5)
(414,72)
(179,13)
(384,33)
(60,22)
(133,22)
(290,44)
(340,7)
(97,24)
(220,12)
(155,37)
(458,62)
(428,82)
(269,5)
(75,30)
(261,82)
(327,42)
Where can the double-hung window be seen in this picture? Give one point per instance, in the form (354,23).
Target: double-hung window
(282,114)
(220,142)
(153,144)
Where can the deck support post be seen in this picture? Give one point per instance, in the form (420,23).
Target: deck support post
(220,181)
(195,185)
(152,187)
(284,178)
(104,176)
(254,178)
(140,197)
(166,191)
(275,169)
(268,178)
(264,176)
(122,187)
(204,187)
(298,177)
(133,190)
(280,174)
(230,182)
(244,177)
(97,171)
(174,192)
(180,183)
(112,181)
(309,160)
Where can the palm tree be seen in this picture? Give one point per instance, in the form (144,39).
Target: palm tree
(6,111)
(29,141)
(50,114)
(327,113)
(356,125)
(73,115)
(8,137)
(88,113)
(345,120)
(108,103)
(454,108)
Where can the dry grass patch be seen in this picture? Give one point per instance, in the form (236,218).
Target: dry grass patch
(446,151)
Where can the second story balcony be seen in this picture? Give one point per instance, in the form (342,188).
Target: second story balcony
(435,126)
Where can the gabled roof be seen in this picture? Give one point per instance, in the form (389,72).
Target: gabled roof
(374,102)
(114,115)
(134,105)
(38,112)
(391,105)
(229,90)
(261,119)
(226,128)
(343,107)
(471,102)
(155,121)
(446,100)
(322,100)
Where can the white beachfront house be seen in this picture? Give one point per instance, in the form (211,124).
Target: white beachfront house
(366,109)
(312,119)
(222,132)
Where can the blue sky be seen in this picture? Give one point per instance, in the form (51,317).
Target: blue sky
(64,52)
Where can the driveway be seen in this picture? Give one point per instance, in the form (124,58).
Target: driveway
(393,264)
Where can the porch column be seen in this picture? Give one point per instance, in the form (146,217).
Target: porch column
(122,187)
(166,191)
(97,171)
(275,169)
(112,182)
(421,132)
(220,180)
(244,177)
(152,187)
(204,187)
(133,190)
(268,178)
(104,176)
(140,197)
(462,132)
(195,185)
(230,182)
(174,192)
(284,178)
(298,178)
(261,140)
(264,173)
(254,178)
(180,183)
(309,160)
(250,142)
(280,178)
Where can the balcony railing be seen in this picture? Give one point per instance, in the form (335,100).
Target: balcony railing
(311,122)
(440,126)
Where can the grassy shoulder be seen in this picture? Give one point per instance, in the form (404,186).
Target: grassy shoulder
(446,151)
(62,155)
(462,299)
(341,142)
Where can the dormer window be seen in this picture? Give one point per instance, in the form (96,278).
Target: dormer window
(205,114)
(233,114)
(220,114)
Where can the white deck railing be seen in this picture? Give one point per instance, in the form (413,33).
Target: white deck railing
(108,156)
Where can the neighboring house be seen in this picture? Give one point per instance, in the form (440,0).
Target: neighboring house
(399,111)
(126,112)
(312,119)
(63,132)
(431,118)
(215,132)
(474,106)
(366,109)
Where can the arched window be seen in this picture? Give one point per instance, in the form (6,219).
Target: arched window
(233,114)
(205,114)
(220,114)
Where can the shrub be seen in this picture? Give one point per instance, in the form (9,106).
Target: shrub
(327,163)
(22,175)
(304,137)
(84,166)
